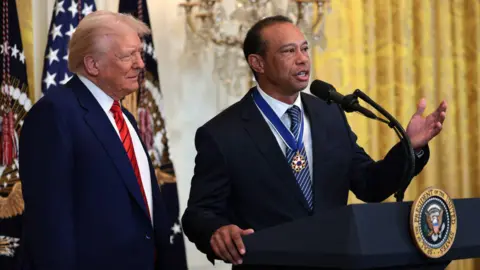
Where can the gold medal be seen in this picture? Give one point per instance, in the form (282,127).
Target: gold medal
(298,162)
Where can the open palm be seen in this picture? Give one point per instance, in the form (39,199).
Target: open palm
(421,129)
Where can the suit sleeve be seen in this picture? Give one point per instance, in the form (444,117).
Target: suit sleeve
(46,162)
(210,188)
(375,181)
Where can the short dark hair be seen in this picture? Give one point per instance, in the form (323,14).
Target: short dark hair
(254,42)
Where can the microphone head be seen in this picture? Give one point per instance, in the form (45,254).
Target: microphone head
(321,89)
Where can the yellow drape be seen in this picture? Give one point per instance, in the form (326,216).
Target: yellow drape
(24,10)
(398,51)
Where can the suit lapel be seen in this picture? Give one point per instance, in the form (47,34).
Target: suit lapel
(101,126)
(320,138)
(266,142)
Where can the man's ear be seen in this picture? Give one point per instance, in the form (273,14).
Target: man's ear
(257,63)
(91,65)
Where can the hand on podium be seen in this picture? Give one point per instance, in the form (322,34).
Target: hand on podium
(227,243)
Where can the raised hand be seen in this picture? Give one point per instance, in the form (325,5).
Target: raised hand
(421,129)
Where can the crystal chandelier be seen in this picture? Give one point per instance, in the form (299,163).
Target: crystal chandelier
(207,26)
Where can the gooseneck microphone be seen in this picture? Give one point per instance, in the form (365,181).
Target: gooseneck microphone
(349,103)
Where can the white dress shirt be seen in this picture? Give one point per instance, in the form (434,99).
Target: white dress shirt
(280,109)
(106,103)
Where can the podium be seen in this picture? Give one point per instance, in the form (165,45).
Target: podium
(359,236)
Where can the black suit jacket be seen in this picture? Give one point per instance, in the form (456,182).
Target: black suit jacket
(83,206)
(241,176)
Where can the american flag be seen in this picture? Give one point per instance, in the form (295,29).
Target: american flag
(14,104)
(65,18)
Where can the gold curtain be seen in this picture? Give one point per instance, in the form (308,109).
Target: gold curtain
(398,51)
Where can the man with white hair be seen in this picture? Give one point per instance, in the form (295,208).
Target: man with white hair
(91,196)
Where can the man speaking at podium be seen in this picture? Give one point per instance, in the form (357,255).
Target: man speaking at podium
(279,155)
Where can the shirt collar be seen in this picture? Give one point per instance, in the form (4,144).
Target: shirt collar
(102,98)
(279,107)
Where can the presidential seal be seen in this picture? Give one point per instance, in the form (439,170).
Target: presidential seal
(433,222)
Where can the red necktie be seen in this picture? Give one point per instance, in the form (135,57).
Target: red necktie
(127,143)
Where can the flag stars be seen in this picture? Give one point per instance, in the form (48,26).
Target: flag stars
(73,9)
(70,32)
(149,49)
(176,230)
(66,78)
(59,8)
(87,9)
(56,31)
(52,56)
(50,79)
(15,51)
(22,57)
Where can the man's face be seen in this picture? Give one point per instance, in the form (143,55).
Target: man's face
(286,59)
(121,65)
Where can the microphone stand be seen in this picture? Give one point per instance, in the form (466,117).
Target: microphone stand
(409,168)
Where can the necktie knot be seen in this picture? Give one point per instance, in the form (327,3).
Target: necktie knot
(116,108)
(295,115)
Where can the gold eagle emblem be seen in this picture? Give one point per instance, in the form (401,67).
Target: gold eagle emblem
(434,222)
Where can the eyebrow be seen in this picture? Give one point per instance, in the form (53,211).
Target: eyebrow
(292,44)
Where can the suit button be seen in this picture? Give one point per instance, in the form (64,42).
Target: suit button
(147,237)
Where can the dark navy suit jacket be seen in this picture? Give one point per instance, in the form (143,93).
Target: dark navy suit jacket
(242,177)
(83,206)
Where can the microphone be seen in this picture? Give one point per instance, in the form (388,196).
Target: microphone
(349,103)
